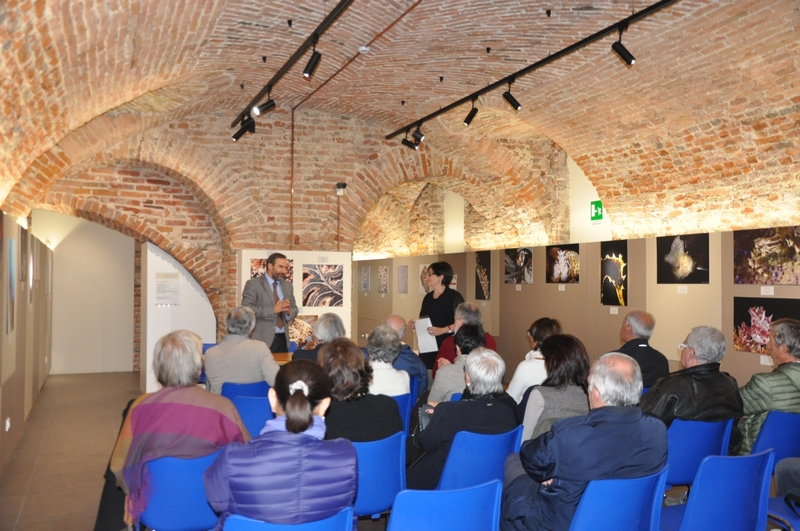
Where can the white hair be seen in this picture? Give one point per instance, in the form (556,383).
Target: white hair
(618,379)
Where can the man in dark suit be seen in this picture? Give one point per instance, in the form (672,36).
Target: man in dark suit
(635,333)
(271,297)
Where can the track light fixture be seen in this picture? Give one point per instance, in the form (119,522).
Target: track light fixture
(471,114)
(621,51)
(248,126)
(418,135)
(314,61)
(511,99)
(408,143)
(264,107)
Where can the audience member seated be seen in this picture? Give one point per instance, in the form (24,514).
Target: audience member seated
(531,371)
(699,391)
(635,333)
(482,412)
(546,480)
(181,420)
(466,313)
(407,360)
(450,379)
(778,390)
(383,346)
(787,477)
(563,393)
(289,474)
(328,327)
(239,359)
(355,414)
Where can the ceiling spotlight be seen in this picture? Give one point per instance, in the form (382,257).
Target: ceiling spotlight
(313,62)
(418,136)
(511,99)
(471,115)
(408,143)
(620,50)
(248,126)
(264,107)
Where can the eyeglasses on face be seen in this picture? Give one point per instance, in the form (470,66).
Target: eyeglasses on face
(683,346)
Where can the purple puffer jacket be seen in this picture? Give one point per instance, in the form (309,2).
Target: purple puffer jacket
(283,478)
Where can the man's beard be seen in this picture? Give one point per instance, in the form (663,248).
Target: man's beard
(278,276)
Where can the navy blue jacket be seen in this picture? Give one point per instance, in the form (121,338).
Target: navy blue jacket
(283,478)
(609,442)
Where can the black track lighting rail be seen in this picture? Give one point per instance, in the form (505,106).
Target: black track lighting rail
(621,25)
(309,42)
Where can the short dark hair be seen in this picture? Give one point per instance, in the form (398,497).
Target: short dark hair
(470,337)
(298,405)
(275,256)
(565,360)
(442,269)
(543,328)
(347,368)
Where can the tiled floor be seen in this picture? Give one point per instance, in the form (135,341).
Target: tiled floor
(55,476)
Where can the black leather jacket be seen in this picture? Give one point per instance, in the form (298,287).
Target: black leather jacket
(701,392)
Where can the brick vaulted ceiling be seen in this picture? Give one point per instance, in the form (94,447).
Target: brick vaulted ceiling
(119,111)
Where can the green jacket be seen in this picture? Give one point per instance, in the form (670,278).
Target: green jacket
(777,390)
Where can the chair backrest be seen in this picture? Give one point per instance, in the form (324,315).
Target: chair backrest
(690,441)
(207,346)
(473,509)
(729,493)
(341,521)
(231,390)
(178,497)
(781,432)
(475,458)
(455,397)
(255,412)
(641,510)
(413,382)
(405,403)
(381,473)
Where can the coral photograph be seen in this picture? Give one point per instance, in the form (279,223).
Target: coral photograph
(752,318)
(383,279)
(563,264)
(258,266)
(766,256)
(483,274)
(682,259)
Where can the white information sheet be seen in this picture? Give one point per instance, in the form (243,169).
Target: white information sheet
(168,289)
(425,341)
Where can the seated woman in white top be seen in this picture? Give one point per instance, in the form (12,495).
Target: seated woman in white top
(383,345)
(531,370)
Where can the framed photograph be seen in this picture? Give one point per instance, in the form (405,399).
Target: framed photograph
(752,318)
(258,267)
(613,273)
(402,279)
(483,275)
(682,259)
(323,285)
(383,279)
(563,264)
(766,256)
(23,254)
(519,266)
(364,278)
(423,279)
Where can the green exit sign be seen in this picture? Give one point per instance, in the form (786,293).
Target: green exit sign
(596,210)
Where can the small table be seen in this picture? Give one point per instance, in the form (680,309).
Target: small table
(282,357)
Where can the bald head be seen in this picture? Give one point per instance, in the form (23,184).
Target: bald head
(637,324)
(396,323)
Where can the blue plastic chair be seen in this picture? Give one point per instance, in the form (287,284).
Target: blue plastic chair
(781,433)
(232,390)
(728,493)
(178,497)
(632,504)
(255,412)
(413,382)
(207,346)
(381,474)
(473,509)
(781,515)
(405,403)
(455,397)
(690,441)
(341,521)
(476,458)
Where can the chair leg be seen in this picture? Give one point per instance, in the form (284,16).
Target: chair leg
(781,522)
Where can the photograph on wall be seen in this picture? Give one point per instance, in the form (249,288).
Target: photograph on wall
(613,273)
(364,278)
(752,318)
(383,279)
(12,286)
(258,266)
(23,254)
(483,274)
(682,259)
(454,283)
(402,279)
(301,333)
(323,285)
(766,256)
(563,264)
(423,279)
(519,266)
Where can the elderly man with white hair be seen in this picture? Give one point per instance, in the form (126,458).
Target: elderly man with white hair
(545,481)
(407,360)
(699,391)
(635,333)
